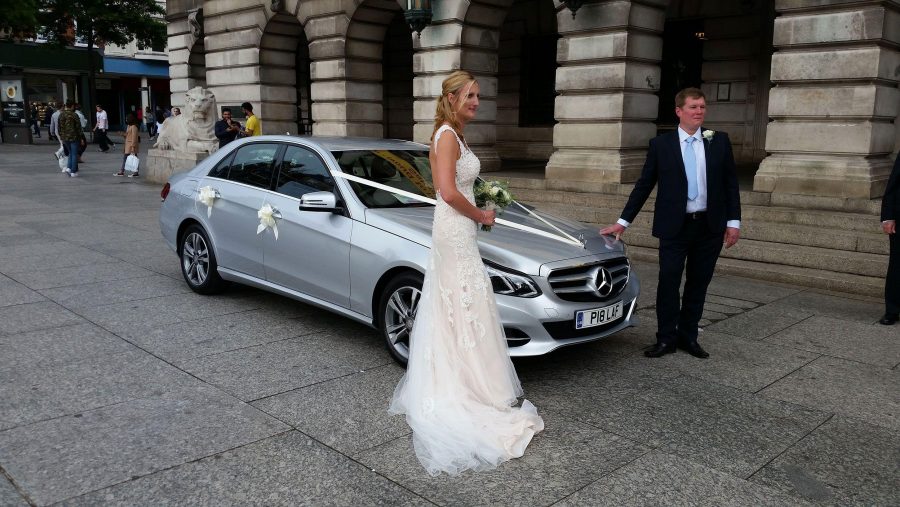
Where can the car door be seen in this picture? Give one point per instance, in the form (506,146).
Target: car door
(241,182)
(312,252)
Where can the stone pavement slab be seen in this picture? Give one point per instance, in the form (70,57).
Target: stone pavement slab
(75,275)
(843,462)
(565,457)
(829,305)
(33,316)
(14,293)
(663,479)
(58,345)
(9,497)
(348,414)
(761,322)
(182,341)
(713,425)
(746,289)
(40,391)
(867,343)
(272,368)
(73,455)
(49,255)
(286,469)
(844,387)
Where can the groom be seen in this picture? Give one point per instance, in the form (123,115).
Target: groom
(697,209)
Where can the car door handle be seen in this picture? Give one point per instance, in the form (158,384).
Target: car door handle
(276,213)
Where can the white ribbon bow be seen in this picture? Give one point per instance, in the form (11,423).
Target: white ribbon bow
(208,197)
(267,220)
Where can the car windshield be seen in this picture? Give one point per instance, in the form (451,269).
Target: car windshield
(403,169)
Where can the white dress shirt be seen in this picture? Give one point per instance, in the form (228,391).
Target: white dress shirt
(102,122)
(698,204)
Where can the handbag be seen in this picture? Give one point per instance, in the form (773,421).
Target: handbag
(132,163)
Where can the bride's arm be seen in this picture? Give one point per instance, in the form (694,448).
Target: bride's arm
(444,174)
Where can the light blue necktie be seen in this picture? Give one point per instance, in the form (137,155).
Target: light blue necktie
(690,167)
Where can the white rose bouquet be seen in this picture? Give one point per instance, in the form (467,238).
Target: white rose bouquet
(492,195)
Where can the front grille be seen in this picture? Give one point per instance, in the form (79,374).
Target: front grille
(581,284)
(565,329)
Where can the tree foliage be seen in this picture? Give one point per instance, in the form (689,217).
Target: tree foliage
(95,22)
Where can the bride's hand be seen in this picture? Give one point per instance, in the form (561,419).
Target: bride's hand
(487,217)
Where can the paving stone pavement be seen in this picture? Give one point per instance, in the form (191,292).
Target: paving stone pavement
(122,387)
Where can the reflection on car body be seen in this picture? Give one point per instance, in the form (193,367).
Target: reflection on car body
(360,251)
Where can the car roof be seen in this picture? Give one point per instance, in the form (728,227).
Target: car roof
(329,143)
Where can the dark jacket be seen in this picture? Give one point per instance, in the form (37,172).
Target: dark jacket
(665,166)
(224,135)
(890,203)
(69,126)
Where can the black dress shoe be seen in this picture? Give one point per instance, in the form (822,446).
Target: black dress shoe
(694,349)
(889,320)
(659,350)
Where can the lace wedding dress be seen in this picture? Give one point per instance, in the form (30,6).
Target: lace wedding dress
(460,386)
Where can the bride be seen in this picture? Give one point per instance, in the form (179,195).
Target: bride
(460,386)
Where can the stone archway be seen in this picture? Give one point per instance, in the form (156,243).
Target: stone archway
(397,79)
(283,106)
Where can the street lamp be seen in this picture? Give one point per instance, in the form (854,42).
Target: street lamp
(573,5)
(418,14)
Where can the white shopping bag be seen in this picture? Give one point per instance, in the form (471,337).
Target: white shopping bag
(60,153)
(132,163)
(63,162)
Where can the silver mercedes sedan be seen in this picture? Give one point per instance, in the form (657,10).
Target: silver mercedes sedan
(269,212)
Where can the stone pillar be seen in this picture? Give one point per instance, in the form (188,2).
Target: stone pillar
(608,74)
(449,44)
(835,70)
(187,64)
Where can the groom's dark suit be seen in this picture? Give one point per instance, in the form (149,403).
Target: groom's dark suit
(695,238)
(890,210)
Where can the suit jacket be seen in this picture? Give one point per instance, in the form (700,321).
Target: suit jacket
(665,166)
(890,203)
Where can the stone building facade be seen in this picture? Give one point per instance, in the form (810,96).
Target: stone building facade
(806,89)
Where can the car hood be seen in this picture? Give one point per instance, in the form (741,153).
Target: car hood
(515,249)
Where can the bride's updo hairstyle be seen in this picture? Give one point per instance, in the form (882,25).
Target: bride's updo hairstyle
(457,83)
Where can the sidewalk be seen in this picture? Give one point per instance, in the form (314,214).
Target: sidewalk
(122,387)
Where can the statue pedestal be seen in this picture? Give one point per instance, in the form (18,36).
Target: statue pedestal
(164,163)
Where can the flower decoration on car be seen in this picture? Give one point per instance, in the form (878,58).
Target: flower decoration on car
(207,196)
(266,216)
(708,135)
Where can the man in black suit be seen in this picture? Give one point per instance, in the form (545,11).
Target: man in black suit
(890,208)
(697,209)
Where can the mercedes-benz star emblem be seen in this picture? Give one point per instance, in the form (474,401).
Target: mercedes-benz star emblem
(604,282)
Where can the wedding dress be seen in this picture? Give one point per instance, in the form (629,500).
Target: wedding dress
(460,386)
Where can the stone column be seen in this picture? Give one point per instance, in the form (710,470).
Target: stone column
(608,74)
(187,64)
(835,70)
(449,44)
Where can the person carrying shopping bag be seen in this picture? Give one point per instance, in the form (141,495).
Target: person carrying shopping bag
(132,147)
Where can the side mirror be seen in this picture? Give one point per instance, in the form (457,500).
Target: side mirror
(319,201)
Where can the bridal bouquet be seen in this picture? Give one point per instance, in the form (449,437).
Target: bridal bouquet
(492,195)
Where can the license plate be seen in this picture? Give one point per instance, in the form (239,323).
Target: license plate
(598,316)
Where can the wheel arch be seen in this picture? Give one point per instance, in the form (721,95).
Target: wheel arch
(386,277)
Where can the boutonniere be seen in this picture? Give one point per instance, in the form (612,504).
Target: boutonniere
(708,135)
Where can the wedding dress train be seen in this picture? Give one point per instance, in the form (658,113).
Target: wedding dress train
(460,386)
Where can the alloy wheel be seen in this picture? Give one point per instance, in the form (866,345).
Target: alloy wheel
(399,317)
(195,258)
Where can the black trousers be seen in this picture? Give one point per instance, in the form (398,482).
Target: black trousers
(697,249)
(892,281)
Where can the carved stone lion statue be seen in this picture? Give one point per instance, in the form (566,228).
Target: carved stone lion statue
(194,130)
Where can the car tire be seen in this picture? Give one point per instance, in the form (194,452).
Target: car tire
(396,313)
(198,262)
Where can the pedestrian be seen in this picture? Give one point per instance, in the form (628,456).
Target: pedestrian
(54,126)
(132,143)
(253,127)
(160,119)
(70,132)
(101,127)
(697,209)
(48,115)
(34,120)
(82,147)
(227,129)
(150,120)
(176,111)
(890,209)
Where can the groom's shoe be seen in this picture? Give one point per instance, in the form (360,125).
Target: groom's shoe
(694,349)
(659,350)
(889,319)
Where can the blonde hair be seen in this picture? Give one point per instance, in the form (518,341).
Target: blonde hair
(444,112)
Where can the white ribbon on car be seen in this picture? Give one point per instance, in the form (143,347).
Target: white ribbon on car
(267,220)
(207,195)
(564,238)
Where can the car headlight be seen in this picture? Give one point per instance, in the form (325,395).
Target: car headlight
(509,283)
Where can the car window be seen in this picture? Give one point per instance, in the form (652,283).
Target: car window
(253,164)
(407,170)
(302,171)
(221,169)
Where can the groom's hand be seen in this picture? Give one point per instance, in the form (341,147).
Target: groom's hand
(616,230)
(731,236)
